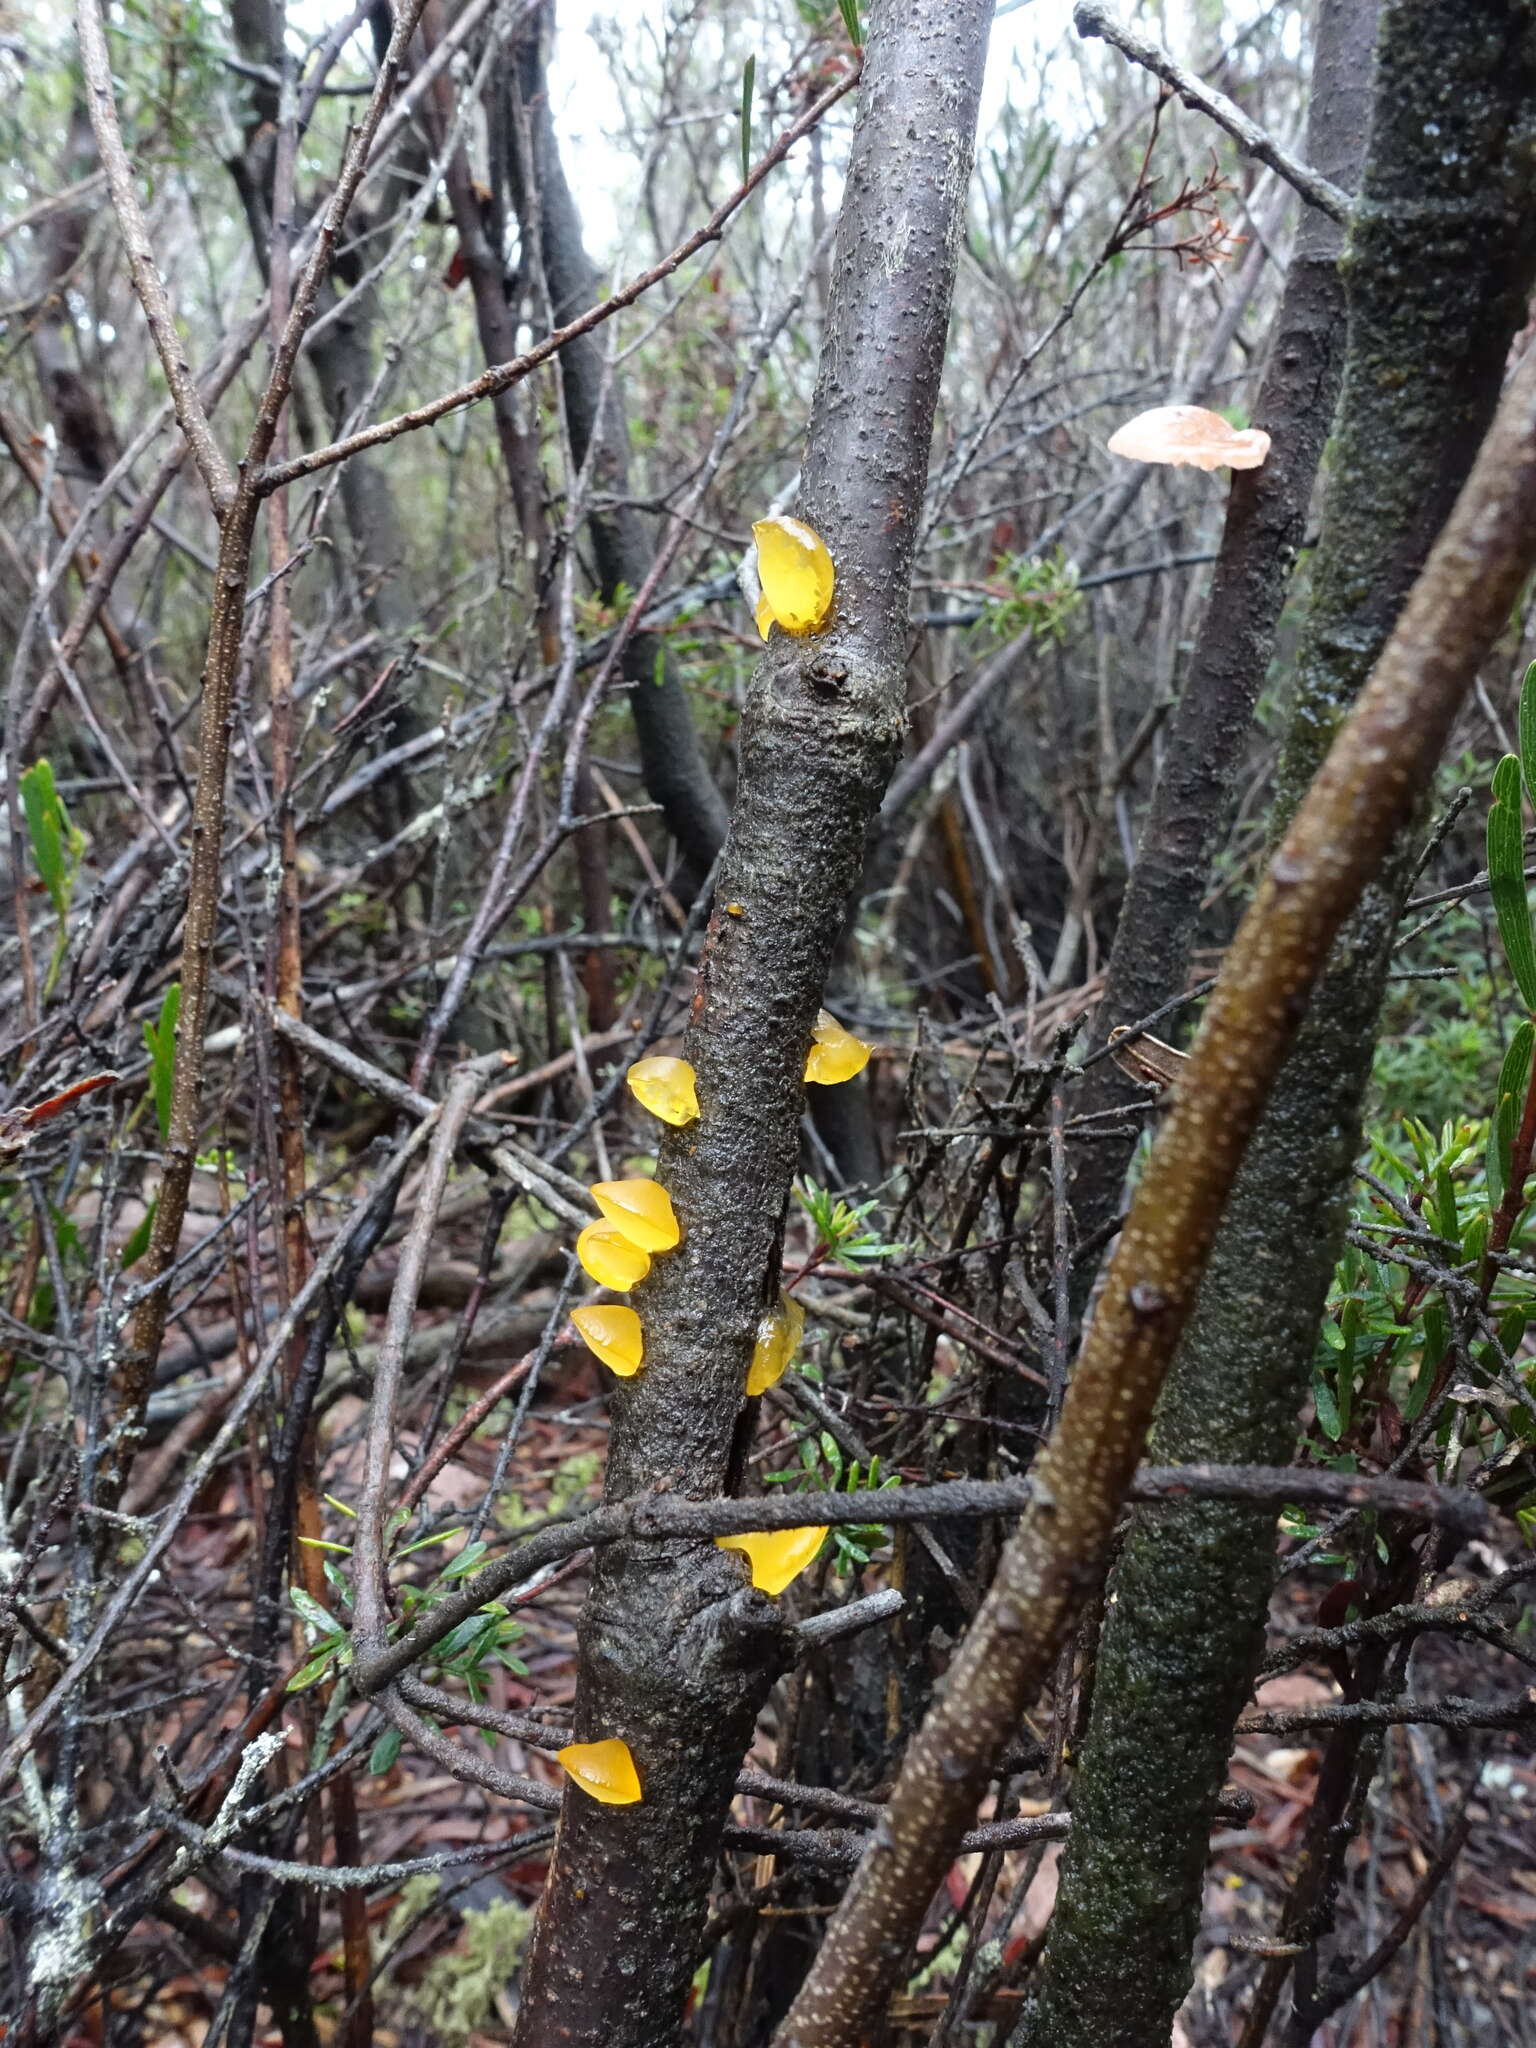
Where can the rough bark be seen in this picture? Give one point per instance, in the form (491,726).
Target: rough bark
(677,1652)
(1438,261)
(1375,774)
(1266,518)
(676,774)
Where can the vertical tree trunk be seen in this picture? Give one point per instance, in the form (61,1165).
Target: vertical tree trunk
(1266,518)
(676,774)
(1437,267)
(677,1651)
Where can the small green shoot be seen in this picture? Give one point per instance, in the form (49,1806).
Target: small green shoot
(161,1041)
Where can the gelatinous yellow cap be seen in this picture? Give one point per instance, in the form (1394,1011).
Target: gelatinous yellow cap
(607,1254)
(797,575)
(642,1210)
(603,1770)
(762,612)
(613,1336)
(778,1338)
(777,1556)
(835,1055)
(666,1088)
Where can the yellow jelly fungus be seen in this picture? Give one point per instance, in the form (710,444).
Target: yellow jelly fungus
(796,573)
(613,1337)
(666,1088)
(776,1556)
(603,1770)
(778,1339)
(610,1258)
(835,1055)
(762,612)
(641,1210)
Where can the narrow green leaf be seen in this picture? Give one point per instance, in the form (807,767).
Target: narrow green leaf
(1528,731)
(849,10)
(1506,878)
(1509,1095)
(161,1041)
(381,1757)
(311,1613)
(748,81)
(138,1243)
(1328,1418)
(46,829)
(316,1668)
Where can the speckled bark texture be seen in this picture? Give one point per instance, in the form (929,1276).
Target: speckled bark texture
(1377,770)
(1266,518)
(1437,267)
(677,1651)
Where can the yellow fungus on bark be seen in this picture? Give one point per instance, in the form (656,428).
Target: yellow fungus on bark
(778,1339)
(613,1336)
(603,1770)
(762,612)
(835,1055)
(609,1257)
(776,1556)
(640,1209)
(797,575)
(666,1088)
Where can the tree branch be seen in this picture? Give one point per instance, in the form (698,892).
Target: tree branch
(1091,19)
(147,282)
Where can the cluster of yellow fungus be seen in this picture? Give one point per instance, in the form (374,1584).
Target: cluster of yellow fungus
(612,1335)
(835,1055)
(796,574)
(640,1210)
(776,1556)
(667,1088)
(604,1771)
(778,1339)
(638,1220)
(608,1255)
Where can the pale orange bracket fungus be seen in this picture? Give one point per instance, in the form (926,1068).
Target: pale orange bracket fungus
(603,1770)
(666,1088)
(609,1257)
(776,1556)
(796,573)
(835,1055)
(778,1339)
(1188,433)
(613,1336)
(640,1210)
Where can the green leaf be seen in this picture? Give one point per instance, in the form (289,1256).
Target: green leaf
(138,1242)
(381,1757)
(1528,731)
(466,1560)
(47,829)
(1328,1418)
(161,1040)
(1506,877)
(1514,1074)
(849,10)
(316,1668)
(748,81)
(311,1613)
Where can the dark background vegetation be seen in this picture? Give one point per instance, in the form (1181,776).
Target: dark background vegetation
(485,696)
